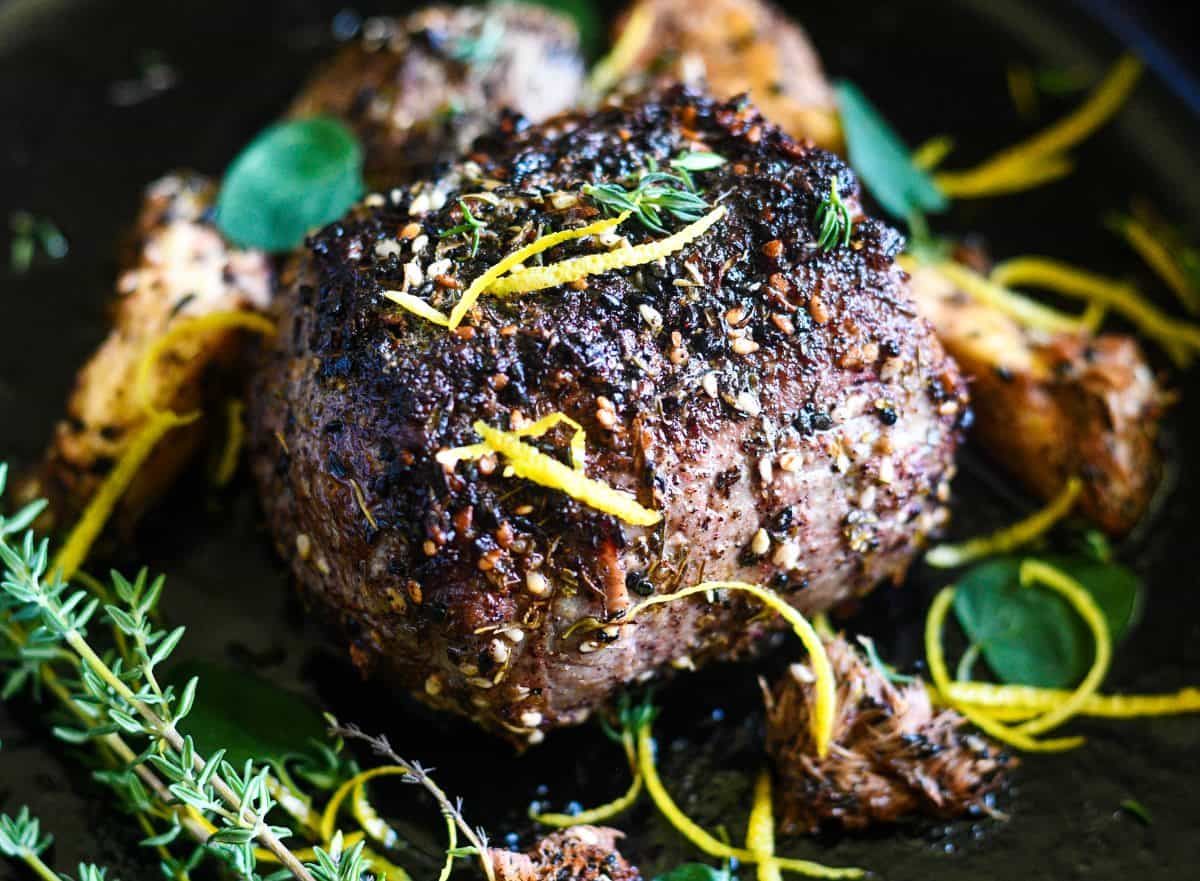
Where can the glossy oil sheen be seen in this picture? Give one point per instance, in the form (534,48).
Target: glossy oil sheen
(67,152)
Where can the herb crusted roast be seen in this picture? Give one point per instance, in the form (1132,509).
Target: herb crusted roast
(776,403)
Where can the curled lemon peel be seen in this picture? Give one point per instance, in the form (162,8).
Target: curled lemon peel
(930,154)
(368,818)
(825,685)
(235,437)
(949,556)
(329,815)
(85,532)
(1023,701)
(537,246)
(606,811)
(532,464)
(635,36)
(182,329)
(1179,339)
(538,278)
(1024,165)
(707,843)
(991,292)
(935,658)
(760,829)
(1158,257)
(543,425)
(418,307)
(1037,572)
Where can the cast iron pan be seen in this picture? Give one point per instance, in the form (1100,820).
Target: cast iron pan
(69,152)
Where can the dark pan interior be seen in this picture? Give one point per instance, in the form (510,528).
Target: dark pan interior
(68,152)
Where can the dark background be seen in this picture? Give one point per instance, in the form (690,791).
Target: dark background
(67,151)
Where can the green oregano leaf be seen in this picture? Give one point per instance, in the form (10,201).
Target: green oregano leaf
(1030,636)
(295,176)
(882,161)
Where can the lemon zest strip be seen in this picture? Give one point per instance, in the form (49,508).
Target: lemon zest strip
(826,687)
(1028,700)
(1159,258)
(760,829)
(930,154)
(949,556)
(538,278)
(694,833)
(329,815)
(1003,172)
(418,307)
(595,815)
(1180,339)
(85,532)
(935,658)
(532,464)
(235,437)
(537,246)
(184,328)
(634,37)
(991,292)
(1037,572)
(578,437)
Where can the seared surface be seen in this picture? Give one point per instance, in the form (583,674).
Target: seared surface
(734,47)
(180,268)
(1053,406)
(418,90)
(893,755)
(833,433)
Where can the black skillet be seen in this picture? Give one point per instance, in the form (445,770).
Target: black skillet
(78,142)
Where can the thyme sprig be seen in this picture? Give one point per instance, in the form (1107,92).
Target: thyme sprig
(657,192)
(470,224)
(833,220)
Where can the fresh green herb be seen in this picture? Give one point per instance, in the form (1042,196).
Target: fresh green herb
(883,669)
(28,233)
(247,716)
(882,160)
(656,192)
(697,872)
(295,176)
(1031,636)
(833,220)
(1136,809)
(1061,82)
(470,224)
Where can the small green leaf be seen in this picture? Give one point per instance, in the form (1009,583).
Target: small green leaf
(1136,809)
(1031,636)
(881,159)
(294,177)
(248,717)
(695,872)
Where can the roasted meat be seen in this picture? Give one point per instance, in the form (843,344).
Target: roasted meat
(581,853)
(782,406)
(418,90)
(1054,406)
(893,755)
(181,267)
(733,47)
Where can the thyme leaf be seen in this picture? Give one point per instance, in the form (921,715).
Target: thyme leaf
(470,224)
(833,220)
(656,192)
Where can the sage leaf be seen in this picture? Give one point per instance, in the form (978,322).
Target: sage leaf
(1030,636)
(249,717)
(882,161)
(294,177)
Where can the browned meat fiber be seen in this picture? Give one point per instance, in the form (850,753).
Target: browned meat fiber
(781,406)
(893,755)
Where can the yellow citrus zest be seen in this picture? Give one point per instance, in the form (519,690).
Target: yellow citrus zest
(538,278)
(930,154)
(1158,257)
(949,556)
(84,534)
(329,815)
(537,246)
(418,307)
(707,843)
(760,829)
(235,437)
(639,27)
(607,811)
(826,687)
(532,464)
(1179,339)
(1040,158)
(1023,701)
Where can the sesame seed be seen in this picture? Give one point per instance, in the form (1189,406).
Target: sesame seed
(761,543)
(387,248)
(531,719)
(709,384)
(744,346)
(651,316)
(783,324)
(303,546)
(747,403)
(537,584)
(787,555)
(586,648)
(887,470)
(499,651)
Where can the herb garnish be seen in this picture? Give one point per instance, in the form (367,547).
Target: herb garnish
(833,220)
(470,224)
(28,233)
(883,161)
(295,176)
(659,191)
